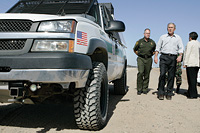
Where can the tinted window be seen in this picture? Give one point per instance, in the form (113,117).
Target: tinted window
(94,11)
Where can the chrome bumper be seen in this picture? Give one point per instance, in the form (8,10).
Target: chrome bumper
(61,76)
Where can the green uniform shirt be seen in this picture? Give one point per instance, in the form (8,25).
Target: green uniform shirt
(145,48)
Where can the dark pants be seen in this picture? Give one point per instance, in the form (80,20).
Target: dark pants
(192,81)
(144,68)
(167,65)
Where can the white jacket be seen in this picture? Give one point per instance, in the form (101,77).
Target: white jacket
(191,54)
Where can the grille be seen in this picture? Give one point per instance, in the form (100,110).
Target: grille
(15,25)
(12,44)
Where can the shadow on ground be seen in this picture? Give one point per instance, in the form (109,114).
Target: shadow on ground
(114,100)
(181,92)
(48,116)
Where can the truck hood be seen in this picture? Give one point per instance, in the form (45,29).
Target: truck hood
(43,17)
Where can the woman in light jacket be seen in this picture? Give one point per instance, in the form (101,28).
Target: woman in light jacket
(191,63)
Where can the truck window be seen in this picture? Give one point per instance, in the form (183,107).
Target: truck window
(105,18)
(94,11)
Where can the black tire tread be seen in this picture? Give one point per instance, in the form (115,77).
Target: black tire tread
(86,108)
(120,87)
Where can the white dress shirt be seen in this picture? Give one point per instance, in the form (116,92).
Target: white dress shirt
(191,54)
(170,44)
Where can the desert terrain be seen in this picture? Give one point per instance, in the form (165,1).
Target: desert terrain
(127,114)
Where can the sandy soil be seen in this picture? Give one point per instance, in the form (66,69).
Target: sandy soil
(127,114)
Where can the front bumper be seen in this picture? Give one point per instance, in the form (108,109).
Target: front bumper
(62,68)
(61,76)
(59,60)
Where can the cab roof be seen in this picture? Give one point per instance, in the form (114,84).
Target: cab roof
(54,7)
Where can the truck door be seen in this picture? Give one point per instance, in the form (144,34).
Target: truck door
(111,46)
(117,48)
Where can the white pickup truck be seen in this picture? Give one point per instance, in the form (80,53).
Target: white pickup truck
(51,47)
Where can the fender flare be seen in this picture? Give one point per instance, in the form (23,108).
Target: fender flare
(94,44)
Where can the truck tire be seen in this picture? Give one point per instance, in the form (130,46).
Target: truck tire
(120,87)
(91,102)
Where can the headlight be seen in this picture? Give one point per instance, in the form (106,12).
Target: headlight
(53,45)
(57,26)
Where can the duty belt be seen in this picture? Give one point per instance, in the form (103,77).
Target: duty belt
(144,56)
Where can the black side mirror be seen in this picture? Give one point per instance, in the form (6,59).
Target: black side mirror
(115,26)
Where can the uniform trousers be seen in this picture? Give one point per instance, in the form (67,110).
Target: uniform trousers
(192,81)
(144,68)
(178,74)
(167,65)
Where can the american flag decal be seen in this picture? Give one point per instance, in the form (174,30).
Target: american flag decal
(82,38)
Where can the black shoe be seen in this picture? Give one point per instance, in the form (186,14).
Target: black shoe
(161,97)
(145,92)
(186,94)
(177,89)
(191,97)
(169,97)
(139,93)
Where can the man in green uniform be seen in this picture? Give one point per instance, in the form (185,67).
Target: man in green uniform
(145,49)
(178,76)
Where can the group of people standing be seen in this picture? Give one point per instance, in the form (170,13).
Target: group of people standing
(171,48)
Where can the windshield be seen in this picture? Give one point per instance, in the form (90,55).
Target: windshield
(52,6)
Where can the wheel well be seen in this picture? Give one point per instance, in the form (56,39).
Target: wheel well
(100,55)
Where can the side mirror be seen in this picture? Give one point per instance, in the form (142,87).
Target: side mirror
(115,26)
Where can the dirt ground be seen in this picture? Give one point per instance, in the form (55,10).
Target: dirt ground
(127,114)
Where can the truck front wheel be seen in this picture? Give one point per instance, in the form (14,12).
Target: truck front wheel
(91,102)
(120,87)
